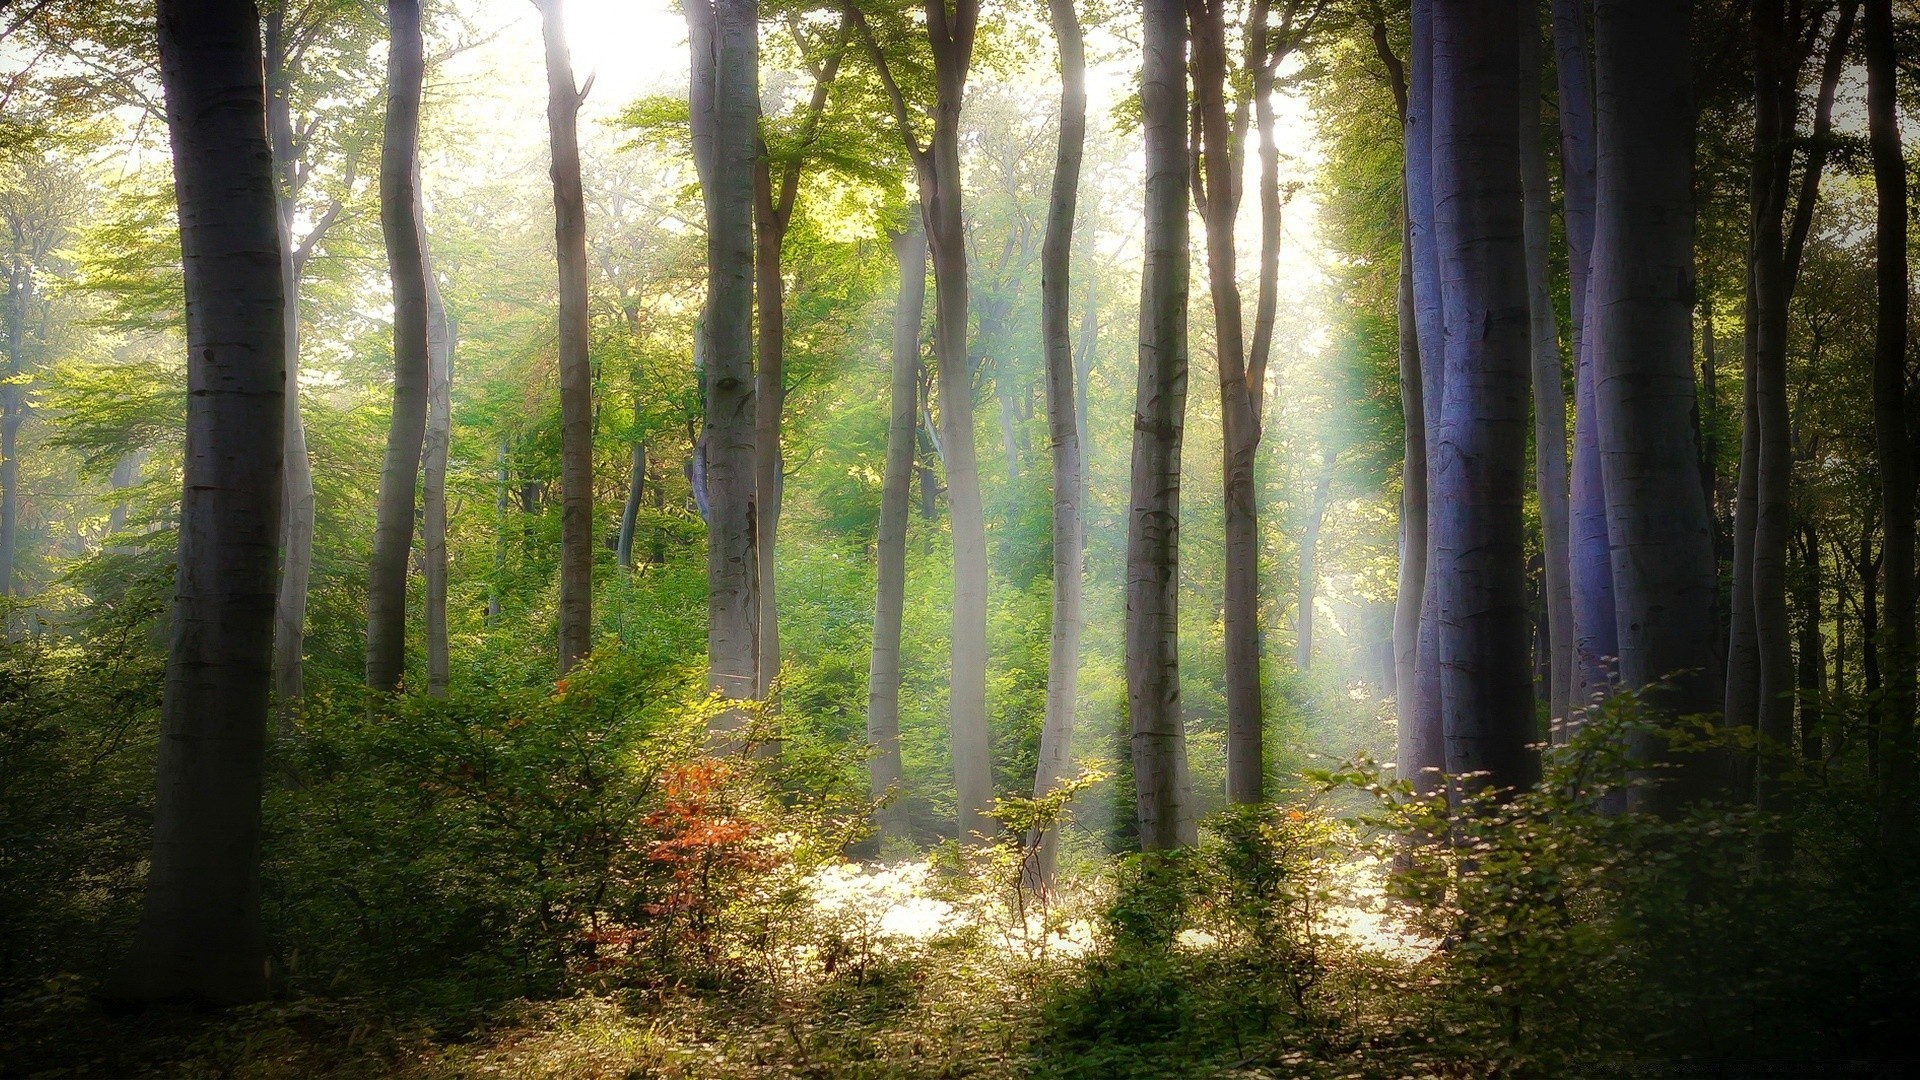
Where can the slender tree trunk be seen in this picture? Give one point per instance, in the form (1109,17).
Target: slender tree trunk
(1590,573)
(1640,332)
(1810,653)
(576,370)
(433,482)
(1890,406)
(1870,678)
(732,606)
(1063,430)
(883,675)
(500,501)
(400,469)
(1486,683)
(200,935)
(12,413)
(630,510)
(1422,746)
(1309,553)
(1153,520)
(1218,196)
(1549,397)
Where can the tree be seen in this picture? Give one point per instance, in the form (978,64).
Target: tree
(732,663)
(1590,577)
(773,215)
(1641,322)
(1421,749)
(890,544)
(200,935)
(1485,677)
(433,479)
(1063,431)
(406,432)
(950,36)
(1892,440)
(1153,519)
(1549,399)
(576,370)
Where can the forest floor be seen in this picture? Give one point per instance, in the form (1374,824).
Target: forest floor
(910,982)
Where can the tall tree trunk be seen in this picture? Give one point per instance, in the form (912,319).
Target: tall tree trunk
(1309,553)
(296,567)
(1218,196)
(1549,397)
(1063,430)
(732,605)
(500,502)
(576,370)
(1640,331)
(883,674)
(200,934)
(937,168)
(1892,439)
(1486,683)
(400,469)
(1590,573)
(433,480)
(630,509)
(1422,746)
(1810,651)
(12,413)
(1870,680)
(1153,519)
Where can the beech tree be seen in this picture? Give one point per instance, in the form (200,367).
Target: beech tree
(200,935)
(936,164)
(1153,519)
(576,369)
(406,432)
(1480,449)
(890,542)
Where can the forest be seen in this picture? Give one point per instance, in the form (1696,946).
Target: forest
(931,538)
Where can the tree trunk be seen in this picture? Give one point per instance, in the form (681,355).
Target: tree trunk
(732,604)
(1549,397)
(1153,519)
(400,469)
(1422,750)
(1219,200)
(1870,680)
(630,510)
(1640,332)
(1486,683)
(200,934)
(12,413)
(433,482)
(1891,437)
(1810,652)
(1063,431)
(576,370)
(883,675)
(1309,576)
(937,168)
(500,502)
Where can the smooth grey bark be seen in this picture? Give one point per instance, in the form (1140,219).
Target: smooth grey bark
(732,605)
(1421,749)
(433,479)
(1641,327)
(1486,681)
(1549,397)
(890,544)
(950,35)
(20,294)
(1063,432)
(1158,734)
(576,369)
(1590,571)
(1217,193)
(630,509)
(1892,439)
(200,935)
(1309,555)
(406,432)
(773,213)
